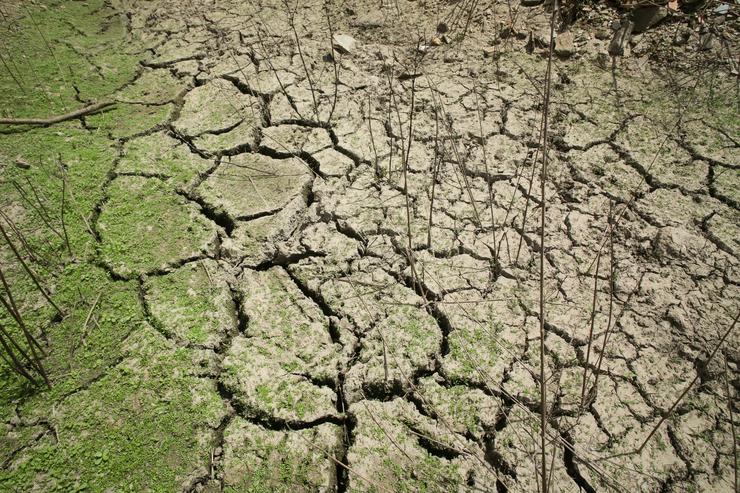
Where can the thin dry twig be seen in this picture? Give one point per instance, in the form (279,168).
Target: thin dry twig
(87,110)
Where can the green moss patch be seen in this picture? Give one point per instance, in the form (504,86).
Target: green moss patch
(193,303)
(145,227)
(264,461)
(147,425)
(158,154)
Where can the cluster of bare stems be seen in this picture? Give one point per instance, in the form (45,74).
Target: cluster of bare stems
(20,345)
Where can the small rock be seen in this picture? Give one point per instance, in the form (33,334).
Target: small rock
(602,34)
(564,44)
(442,28)
(615,25)
(682,37)
(707,41)
(602,60)
(435,41)
(22,163)
(508,32)
(542,38)
(344,43)
(490,52)
(722,9)
(409,75)
(646,17)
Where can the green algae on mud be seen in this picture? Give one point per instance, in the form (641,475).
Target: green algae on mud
(128,410)
(260,460)
(144,227)
(60,44)
(122,394)
(147,424)
(192,304)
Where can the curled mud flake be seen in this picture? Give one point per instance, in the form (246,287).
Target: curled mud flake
(403,344)
(215,108)
(249,186)
(286,368)
(395,445)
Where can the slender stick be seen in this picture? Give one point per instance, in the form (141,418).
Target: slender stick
(89,316)
(17,82)
(435,171)
(16,365)
(406,186)
(591,330)
(33,255)
(372,137)
(543,209)
(39,209)
(64,193)
(93,108)
(490,183)
(12,308)
(334,63)
(612,272)
(291,21)
(53,55)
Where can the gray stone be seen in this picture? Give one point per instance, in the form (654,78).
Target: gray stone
(370,20)
(564,44)
(682,37)
(707,41)
(344,43)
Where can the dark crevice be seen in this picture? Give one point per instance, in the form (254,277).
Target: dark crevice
(434,447)
(570,464)
(314,296)
(217,215)
(281,260)
(285,425)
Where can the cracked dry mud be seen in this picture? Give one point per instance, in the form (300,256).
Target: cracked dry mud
(262,219)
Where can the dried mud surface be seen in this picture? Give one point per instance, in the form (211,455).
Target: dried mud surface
(370,329)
